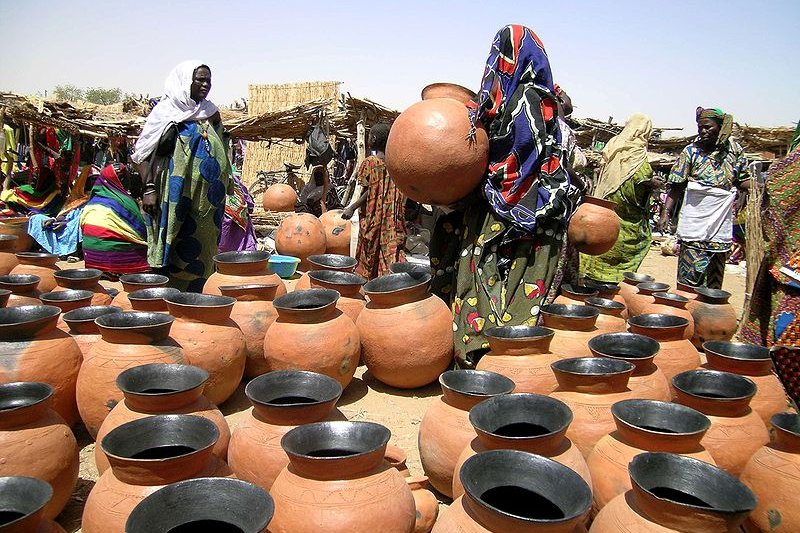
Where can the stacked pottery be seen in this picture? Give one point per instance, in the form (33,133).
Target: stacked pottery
(23,289)
(736,431)
(36,442)
(525,422)
(351,301)
(668,303)
(67,300)
(644,297)
(254,313)
(38,264)
(574,294)
(628,290)
(7,258)
(677,353)
(604,289)
(335,262)
(445,429)
(17,226)
(522,354)
(87,279)
(402,309)
(643,426)
(282,400)
(151,300)
(134,282)
(612,314)
(647,381)
(210,340)
(162,389)
(23,504)
(673,493)
(311,334)
(82,326)
(242,268)
(714,317)
(573,326)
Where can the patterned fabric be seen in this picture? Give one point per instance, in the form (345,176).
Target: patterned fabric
(237,232)
(724,120)
(702,264)
(722,168)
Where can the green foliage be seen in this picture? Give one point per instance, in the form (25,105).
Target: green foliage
(99,95)
(68,92)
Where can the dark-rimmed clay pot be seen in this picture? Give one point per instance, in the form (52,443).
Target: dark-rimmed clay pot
(17,226)
(574,294)
(573,326)
(715,318)
(612,314)
(151,300)
(8,259)
(685,290)
(254,313)
(351,300)
(242,268)
(594,227)
(414,269)
(669,303)
(282,400)
(522,354)
(23,289)
(445,429)
(607,290)
(134,282)
(644,296)
(23,506)
(628,290)
(67,300)
(87,279)
(81,325)
(676,353)
(35,441)
(335,262)
(647,381)
(38,264)
(447,90)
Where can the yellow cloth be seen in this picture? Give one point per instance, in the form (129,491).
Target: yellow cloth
(624,155)
(102,216)
(77,193)
(7,156)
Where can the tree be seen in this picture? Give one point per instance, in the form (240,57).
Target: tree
(68,92)
(99,95)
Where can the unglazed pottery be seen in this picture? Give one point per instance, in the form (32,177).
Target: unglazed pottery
(38,264)
(522,354)
(337,232)
(7,258)
(647,381)
(574,294)
(87,279)
(17,226)
(628,290)
(23,506)
(328,261)
(300,235)
(242,268)
(81,325)
(134,282)
(23,289)
(669,303)
(676,353)
(612,314)
(573,326)
(151,300)
(594,227)
(279,197)
(351,300)
(644,297)
(714,317)
(254,313)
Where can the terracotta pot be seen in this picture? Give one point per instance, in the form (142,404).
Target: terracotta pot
(24,501)
(337,232)
(311,334)
(590,386)
(336,262)
(146,455)
(134,282)
(87,279)
(510,490)
(7,258)
(282,400)
(151,300)
(254,313)
(401,307)
(17,226)
(687,291)
(612,314)
(351,302)
(82,327)
(605,289)
(413,269)
(573,326)
(673,493)
(425,502)
(669,303)
(162,389)
(23,289)
(279,197)
(736,430)
(38,264)
(771,473)
(647,381)
(346,459)
(447,90)
(445,429)
(676,354)
(525,422)
(755,363)
(522,354)
(574,294)
(128,339)
(242,268)
(210,340)
(628,290)
(67,300)
(644,298)
(714,318)
(594,227)
(301,235)
(643,426)
(36,442)
(430,154)
(33,349)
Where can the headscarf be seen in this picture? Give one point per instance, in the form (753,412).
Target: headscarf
(175,106)
(724,120)
(624,155)
(526,181)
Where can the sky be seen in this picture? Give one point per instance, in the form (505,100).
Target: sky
(614,58)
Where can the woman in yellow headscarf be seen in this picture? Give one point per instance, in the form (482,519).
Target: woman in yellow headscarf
(627,179)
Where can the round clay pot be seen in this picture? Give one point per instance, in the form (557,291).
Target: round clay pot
(87,279)
(514,491)
(674,493)
(647,381)
(413,269)
(574,294)
(127,339)
(339,263)
(36,442)
(134,282)
(736,430)
(344,458)
(447,90)
(242,268)
(590,386)
(573,326)
(628,290)
(755,363)
(771,473)
(714,318)
(24,501)
(282,400)
(687,291)
(612,314)
(301,235)
(430,154)
(445,429)
(38,264)
(311,334)
(17,226)
(676,354)
(279,197)
(151,300)
(401,307)
(605,289)
(643,426)
(254,313)
(210,340)
(7,258)
(82,327)
(522,354)
(525,422)
(162,389)
(146,455)
(351,302)
(644,297)
(426,504)
(337,232)
(33,349)
(23,289)
(669,303)
(67,300)
(594,227)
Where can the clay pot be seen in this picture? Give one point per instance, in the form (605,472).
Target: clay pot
(17,226)
(612,314)
(337,232)
(23,289)
(301,235)
(311,334)
(447,90)
(35,441)
(151,300)
(7,258)
(134,282)
(605,289)
(279,197)
(677,354)
(33,349)
(87,279)
(714,318)
(673,493)
(574,294)
(736,430)
(346,459)
(351,302)
(643,297)
(336,262)
(82,327)
(669,303)
(514,491)
(38,264)
(128,339)
(24,501)
(525,422)
(210,340)
(647,381)
(590,386)
(573,326)
(425,502)
(755,363)
(771,475)
(254,313)
(687,291)
(242,268)
(282,400)
(146,455)
(67,300)
(445,429)
(522,354)
(628,290)
(594,227)
(643,426)
(413,269)
(162,389)
(430,154)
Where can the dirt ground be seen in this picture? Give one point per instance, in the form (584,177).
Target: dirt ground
(368,399)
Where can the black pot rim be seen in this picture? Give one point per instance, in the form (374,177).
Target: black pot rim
(145,318)
(620,413)
(279,376)
(536,332)
(38,391)
(640,278)
(504,384)
(330,277)
(67,295)
(290,300)
(647,321)
(296,436)
(199,375)
(679,383)
(717,348)
(76,316)
(193,299)
(248,256)
(788,422)
(652,346)
(196,421)
(140,279)
(569,311)
(604,303)
(617,366)
(323,260)
(525,399)
(33,491)
(403,280)
(38,312)
(20,280)
(72,273)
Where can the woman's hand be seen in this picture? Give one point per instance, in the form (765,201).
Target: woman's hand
(150,203)
(347,212)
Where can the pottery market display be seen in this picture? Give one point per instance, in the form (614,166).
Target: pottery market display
(594,227)
(612,317)
(647,381)
(242,268)
(17,226)
(23,504)
(151,300)
(605,289)
(82,327)
(335,262)
(351,300)
(38,264)
(687,291)
(628,290)
(447,90)
(67,300)
(279,197)
(7,258)
(669,303)
(254,313)
(301,235)
(644,297)
(676,354)
(87,279)
(337,232)
(714,317)
(573,326)
(134,282)
(574,294)
(522,354)
(23,289)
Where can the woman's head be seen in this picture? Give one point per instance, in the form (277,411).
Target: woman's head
(713,126)
(378,135)
(201,83)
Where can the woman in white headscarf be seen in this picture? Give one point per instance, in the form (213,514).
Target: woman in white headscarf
(183,161)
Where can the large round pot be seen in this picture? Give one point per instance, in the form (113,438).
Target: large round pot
(24,501)
(573,326)
(736,431)
(87,279)
(574,294)
(401,308)
(351,300)
(17,226)
(336,262)
(311,334)
(82,327)
(445,429)
(525,422)
(677,354)
(67,300)
(647,381)
(612,314)
(522,354)
(337,232)
(345,459)
(432,156)
(38,264)
(300,235)
(162,389)
(715,318)
(7,249)
(210,340)
(151,300)
(23,289)
(594,227)
(669,303)
(127,339)
(36,442)
(628,290)
(447,90)
(254,313)
(279,197)
(645,296)
(32,348)
(282,400)
(242,268)
(134,282)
